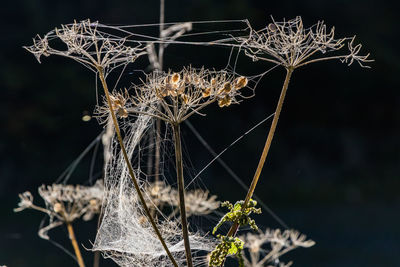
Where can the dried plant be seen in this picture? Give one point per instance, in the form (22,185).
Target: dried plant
(183,94)
(197,201)
(290,45)
(64,205)
(128,232)
(101,52)
(279,243)
(88,43)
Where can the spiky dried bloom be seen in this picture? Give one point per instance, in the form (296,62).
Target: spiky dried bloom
(197,202)
(65,203)
(290,44)
(92,44)
(182,94)
(279,244)
(119,101)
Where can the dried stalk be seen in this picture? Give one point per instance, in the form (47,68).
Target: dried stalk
(181,192)
(75,244)
(250,192)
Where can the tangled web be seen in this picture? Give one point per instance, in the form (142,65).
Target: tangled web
(125,235)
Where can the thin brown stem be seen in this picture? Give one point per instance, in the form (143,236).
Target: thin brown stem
(161,45)
(75,245)
(269,138)
(157,152)
(250,192)
(130,169)
(181,191)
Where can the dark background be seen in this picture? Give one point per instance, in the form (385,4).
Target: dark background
(332,172)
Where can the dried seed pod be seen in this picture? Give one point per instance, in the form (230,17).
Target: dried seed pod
(206,92)
(225,101)
(175,78)
(226,88)
(185,98)
(240,82)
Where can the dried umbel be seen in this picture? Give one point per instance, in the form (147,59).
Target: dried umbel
(65,203)
(198,202)
(258,255)
(92,44)
(120,104)
(182,94)
(290,44)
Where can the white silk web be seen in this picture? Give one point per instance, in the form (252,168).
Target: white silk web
(125,235)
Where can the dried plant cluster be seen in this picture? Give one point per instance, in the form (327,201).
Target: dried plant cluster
(182,94)
(257,255)
(139,225)
(65,203)
(198,201)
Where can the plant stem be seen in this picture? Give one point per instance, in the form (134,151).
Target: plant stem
(235,226)
(161,45)
(75,244)
(157,152)
(181,191)
(160,65)
(130,169)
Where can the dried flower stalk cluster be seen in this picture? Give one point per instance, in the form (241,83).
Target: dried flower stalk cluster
(65,203)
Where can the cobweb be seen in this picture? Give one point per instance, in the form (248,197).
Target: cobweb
(125,235)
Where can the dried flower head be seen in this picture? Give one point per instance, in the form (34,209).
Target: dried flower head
(197,202)
(279,244)
(65,203)
(120,103)
(290,44)
(187,92)
(92,44)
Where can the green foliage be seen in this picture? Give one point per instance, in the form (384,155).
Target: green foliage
(238,214)
(228,246)
(233,245)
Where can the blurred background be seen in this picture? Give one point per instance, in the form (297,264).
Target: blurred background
(333,170)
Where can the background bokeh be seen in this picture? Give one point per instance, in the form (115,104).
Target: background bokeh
(332,172)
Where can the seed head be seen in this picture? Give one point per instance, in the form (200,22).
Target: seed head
(182,94)
(65,203)
(290,44)
(90,43)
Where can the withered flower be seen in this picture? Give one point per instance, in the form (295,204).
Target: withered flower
(279,243)
(65,203)
(92,44)
(181,94)
(290,44)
